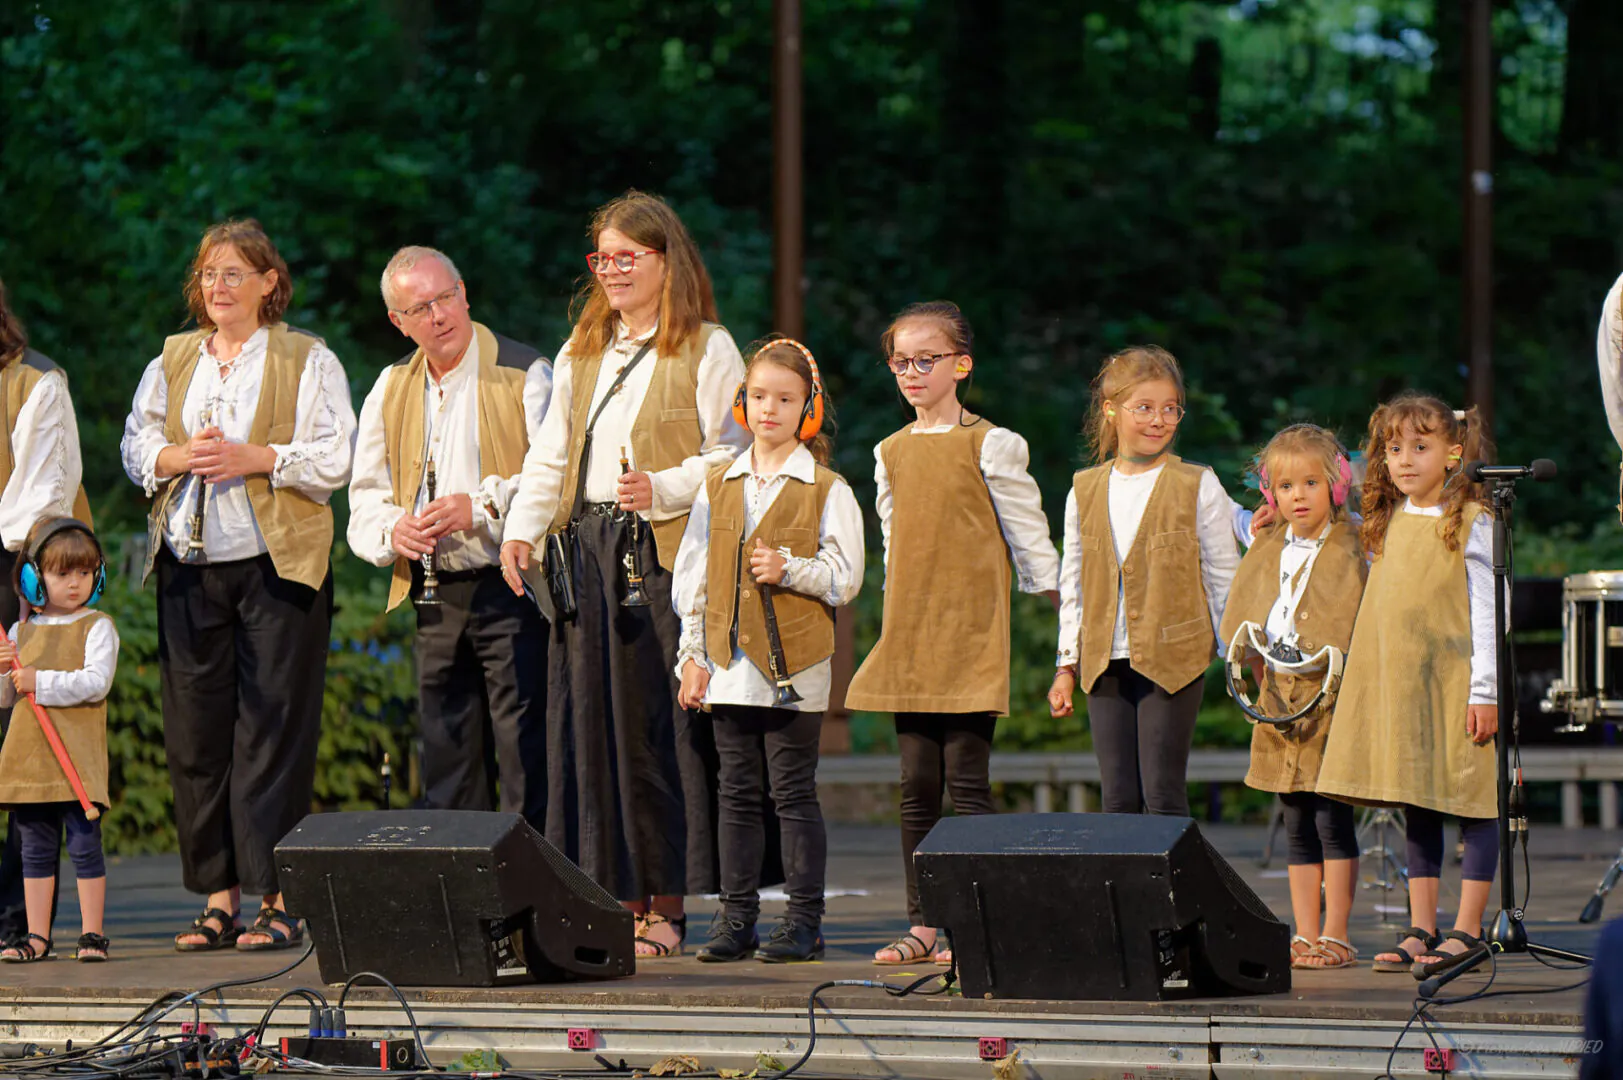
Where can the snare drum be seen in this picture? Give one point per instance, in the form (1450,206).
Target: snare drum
(1591,683)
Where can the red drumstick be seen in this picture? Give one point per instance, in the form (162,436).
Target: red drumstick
(61,752)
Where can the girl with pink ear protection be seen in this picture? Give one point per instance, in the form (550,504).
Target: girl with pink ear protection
(1293,601)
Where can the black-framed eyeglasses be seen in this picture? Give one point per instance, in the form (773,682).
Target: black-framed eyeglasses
(922,363)
(231,278)
(622,261)
(421,311)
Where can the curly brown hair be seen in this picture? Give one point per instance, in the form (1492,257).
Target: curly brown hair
(13,338)
(1421,414)
(251,242)
(1117,375)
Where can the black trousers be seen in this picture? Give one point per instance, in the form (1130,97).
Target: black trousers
(482,696)
(760,750)
(947,753)
(242,659)
(1142,736)
(13,916)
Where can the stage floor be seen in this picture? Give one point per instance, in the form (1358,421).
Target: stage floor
(1330,1023)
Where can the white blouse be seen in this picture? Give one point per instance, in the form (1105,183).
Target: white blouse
(1129,494)
(833,575)
(451,432)
(1609,355)
(46,467)
(84,686)
(1005,460)
(316,462)
(540,487)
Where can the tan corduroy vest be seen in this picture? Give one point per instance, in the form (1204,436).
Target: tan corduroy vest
(1399,732)
(1169,628)
(298,530)
(1289,760)
(29,772)
(504,436)
(793,521)
(944,644)
(17,381)
(665,433)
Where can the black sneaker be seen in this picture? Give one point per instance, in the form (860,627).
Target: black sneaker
(792,942)
(730,939)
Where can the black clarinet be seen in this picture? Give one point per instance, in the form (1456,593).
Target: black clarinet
(784,693)
(194,548)
(635,596)
(431,577)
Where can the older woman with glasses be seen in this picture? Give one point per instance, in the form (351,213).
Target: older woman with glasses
(641,411)
(240,432)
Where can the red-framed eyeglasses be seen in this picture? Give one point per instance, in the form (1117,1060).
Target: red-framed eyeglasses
(622,261)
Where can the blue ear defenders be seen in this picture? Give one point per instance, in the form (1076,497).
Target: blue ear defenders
(32,582)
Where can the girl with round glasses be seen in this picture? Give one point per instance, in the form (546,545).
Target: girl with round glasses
(1149,555)
(956,505)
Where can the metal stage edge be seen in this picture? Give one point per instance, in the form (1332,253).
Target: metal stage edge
(917,1038)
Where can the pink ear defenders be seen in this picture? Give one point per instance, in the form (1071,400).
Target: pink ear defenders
(1338,488)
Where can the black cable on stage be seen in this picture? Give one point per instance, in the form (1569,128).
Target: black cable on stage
(416,1032)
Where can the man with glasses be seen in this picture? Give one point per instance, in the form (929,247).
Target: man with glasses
(441,444)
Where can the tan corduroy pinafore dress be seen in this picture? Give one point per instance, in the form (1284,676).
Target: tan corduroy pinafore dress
(1289,759)
(29,772)
(1399,733)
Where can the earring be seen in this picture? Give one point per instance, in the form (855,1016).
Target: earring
(1110,413)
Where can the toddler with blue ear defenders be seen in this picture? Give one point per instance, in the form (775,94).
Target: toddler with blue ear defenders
(65,655)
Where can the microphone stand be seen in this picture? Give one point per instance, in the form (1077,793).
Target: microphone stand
(1508,934)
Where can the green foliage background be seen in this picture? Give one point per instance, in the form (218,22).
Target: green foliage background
(1271,189)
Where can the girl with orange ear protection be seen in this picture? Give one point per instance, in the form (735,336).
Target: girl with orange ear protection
(957,507)
(773,545)
(1297,593)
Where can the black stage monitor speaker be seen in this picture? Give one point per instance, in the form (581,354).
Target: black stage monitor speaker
(449,898)
(1096,907)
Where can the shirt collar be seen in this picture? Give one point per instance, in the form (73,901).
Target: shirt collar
(621,339)
(256,343)
(459,374)
(800,466)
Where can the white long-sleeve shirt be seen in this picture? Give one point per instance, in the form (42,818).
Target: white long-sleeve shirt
(540,488)
(1609,355)
(833,575)
(1129,494)
(46,467)
(316,462)
(451,431)
(1005,461)
(82,686)
(1479,586)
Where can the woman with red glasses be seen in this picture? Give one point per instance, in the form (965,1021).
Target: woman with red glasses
(641,411)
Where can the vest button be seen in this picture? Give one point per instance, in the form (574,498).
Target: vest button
(743,639)
(1132,614)
(1301,616)
(746,594)
(1127,568)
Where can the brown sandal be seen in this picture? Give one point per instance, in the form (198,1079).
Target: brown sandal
(661,950)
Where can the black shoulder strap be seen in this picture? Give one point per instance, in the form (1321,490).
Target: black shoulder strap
(586,442)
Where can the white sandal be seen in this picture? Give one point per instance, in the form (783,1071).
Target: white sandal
(1328,957)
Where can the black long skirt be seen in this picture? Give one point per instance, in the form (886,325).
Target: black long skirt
(631,778)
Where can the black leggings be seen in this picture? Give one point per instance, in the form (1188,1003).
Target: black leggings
(1142,735)
(1318,828)
(1424,831)
(941,752)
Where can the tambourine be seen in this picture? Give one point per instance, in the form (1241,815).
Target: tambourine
(1250,636)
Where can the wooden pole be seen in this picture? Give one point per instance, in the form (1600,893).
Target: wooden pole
(1478,195)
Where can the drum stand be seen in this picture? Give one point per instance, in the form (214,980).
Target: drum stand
(1608,882)
(1508,933)
(1390,872)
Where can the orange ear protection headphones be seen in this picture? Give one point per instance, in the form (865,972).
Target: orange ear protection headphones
(811,417)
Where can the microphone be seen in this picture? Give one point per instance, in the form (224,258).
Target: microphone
(1541,469)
